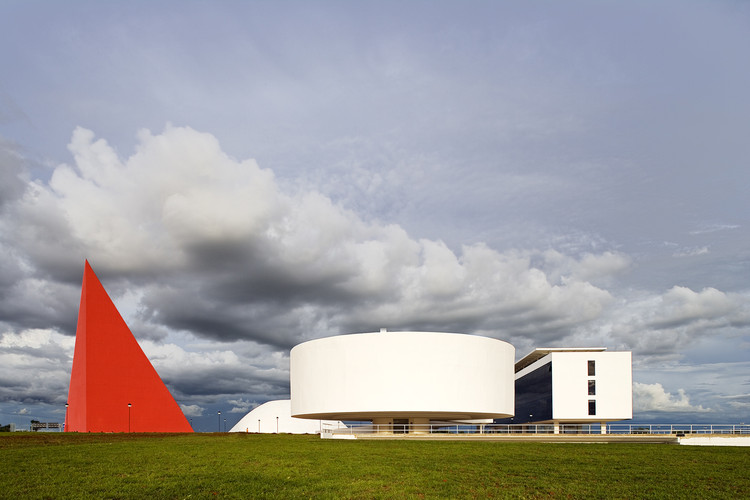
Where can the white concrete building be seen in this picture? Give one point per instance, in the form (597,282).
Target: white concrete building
(275,417)
(573,386)
(398,378)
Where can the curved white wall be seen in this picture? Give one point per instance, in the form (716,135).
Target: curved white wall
(402,374)
(276,416)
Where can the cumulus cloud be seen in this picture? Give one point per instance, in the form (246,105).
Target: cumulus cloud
(681,306)
(653,398)
(222,252)
(496,185)
(209,373)
(197,247)
(35,366)
(660,326)
(241,405)
(192,410)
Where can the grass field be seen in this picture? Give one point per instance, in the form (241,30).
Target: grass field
(56,465)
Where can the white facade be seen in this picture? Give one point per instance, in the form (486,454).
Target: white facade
(275,417)
(414,376)
(575,395)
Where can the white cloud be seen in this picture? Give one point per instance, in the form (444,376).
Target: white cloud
(196,245)
(653,398)
(181,211)
(35,366)
(478,172)
(192,410)
(738,401)
(34,338)
(662,326)
(681,305)
(209,372)
(241,405)
(691,252)
(712,228)
(594,268)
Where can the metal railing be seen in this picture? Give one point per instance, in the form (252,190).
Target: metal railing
(678,429)
(520,429)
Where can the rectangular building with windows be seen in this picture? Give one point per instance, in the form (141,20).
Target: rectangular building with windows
(573,386)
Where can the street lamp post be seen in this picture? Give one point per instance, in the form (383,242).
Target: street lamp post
(219,421)
(129,406)
(65,422)
(225,425)
(277,425)
(258,426)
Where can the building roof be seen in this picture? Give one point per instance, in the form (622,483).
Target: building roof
(540,352)
(275,417)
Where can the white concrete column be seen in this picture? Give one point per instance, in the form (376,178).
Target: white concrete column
(556,427)
(603,426)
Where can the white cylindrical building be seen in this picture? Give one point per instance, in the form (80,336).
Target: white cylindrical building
(398,376)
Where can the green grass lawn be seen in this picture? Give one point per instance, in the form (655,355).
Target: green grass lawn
(56,465)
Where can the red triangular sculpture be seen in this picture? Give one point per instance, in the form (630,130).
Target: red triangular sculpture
(113,386)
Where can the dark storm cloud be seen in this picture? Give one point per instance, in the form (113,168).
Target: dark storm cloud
(214,247)
(225,381)
(205,376)
(238,258)
(34,367)
(39,303)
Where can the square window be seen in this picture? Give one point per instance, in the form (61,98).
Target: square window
(592,387)
(592,368)
(592,407)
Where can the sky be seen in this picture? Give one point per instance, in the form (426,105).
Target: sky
(244,176)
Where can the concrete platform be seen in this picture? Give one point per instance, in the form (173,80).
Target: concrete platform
(715,440)
(531,438)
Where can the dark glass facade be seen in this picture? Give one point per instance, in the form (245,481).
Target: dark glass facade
(533,397)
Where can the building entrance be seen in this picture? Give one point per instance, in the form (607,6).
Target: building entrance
(401,426)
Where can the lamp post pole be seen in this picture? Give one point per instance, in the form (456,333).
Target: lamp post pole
(219,421)
(225,425)
(65,422)
(258,426)
(277,425)
(129,406)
